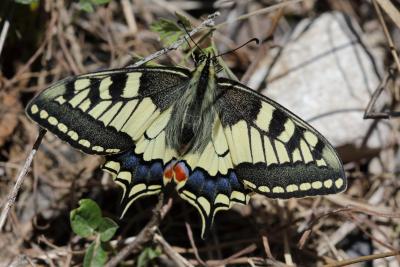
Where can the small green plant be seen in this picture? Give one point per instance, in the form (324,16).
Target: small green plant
(86,221)
(88,5)
(169,31)
(147,256)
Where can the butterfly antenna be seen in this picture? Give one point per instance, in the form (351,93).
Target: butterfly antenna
(188,34)
(246,43)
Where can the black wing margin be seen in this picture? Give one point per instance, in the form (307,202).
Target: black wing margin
(278,154)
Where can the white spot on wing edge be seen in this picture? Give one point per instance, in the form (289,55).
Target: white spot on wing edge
(34,109)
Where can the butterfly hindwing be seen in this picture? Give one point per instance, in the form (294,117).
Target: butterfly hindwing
(274,152)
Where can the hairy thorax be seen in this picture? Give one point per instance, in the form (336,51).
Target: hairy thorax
(192,118)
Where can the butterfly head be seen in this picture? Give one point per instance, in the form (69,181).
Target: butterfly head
(208,58)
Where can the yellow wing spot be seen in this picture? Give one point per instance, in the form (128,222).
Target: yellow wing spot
(264,189)
(189,194)
(132,85)
(305,186)
(81,84)
(241,142)
(296,155)
(148,153)
(113,165)
(124,114)
(208,160)
(311,138)
(292,188)
(213,167)
(321,162)
(159,147)
(264,116)
(137,189)
(85,105)
(60,100)
(52,120)
(99,109)
(154,187)
(74,136)
(238,195)
(113,150)
(282,152)
(98,148)
(127,176)
(218,137)
(306,152)
(62,127)
(143,116)
(34,109)
(269,152)
(111,114)
(159,124)
(288,132)
(316,185)
(78,98)
(222,199)
(231,143)
(104,88)
(222,166)
(249,184)
(43,114)
(84,143)
(168,154)
(141,145)
(256,146)
(278,189)
(205,204)
(328,183)
(339,183)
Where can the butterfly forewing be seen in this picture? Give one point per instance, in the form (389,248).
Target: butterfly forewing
(106,112)
(275,153)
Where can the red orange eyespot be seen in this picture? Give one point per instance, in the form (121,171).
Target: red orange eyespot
(181,172)
(169,170)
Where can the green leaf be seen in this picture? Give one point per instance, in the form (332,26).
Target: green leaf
(147,256)
(168,30)
(86,218)
(86,6)
(95,255)
(107,229)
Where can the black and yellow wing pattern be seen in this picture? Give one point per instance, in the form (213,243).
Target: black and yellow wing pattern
(215,138)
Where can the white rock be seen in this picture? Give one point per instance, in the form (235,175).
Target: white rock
(326,75)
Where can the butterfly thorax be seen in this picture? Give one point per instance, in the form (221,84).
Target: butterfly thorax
(193,114)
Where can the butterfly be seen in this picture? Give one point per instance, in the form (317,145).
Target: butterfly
(215,139)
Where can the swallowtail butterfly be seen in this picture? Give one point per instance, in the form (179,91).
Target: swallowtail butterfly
(217,140)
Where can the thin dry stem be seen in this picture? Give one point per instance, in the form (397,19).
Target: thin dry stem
(20,179)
